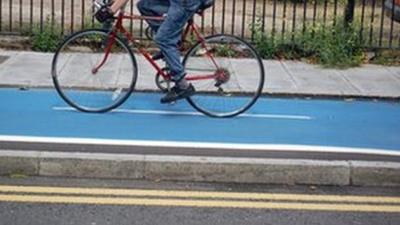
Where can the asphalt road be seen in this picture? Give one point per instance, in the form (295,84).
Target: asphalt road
(163,203)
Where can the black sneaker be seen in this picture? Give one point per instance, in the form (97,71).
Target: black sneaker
(177,93)
(157,56)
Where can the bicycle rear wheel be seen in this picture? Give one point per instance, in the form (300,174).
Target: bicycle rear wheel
(227,73)
(88,78)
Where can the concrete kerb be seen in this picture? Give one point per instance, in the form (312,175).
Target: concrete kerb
(375,173)
(200,169)
(12,162)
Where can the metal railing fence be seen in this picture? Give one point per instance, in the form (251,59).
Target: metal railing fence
(278,18)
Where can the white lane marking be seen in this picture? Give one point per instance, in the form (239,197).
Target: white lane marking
(163,112)
(199,145)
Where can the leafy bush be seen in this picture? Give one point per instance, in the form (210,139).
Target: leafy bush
(46,39)
(265,44)
(337,45)
(331,45)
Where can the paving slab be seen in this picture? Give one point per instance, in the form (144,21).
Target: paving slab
(26,69)
(277,78)
(311,79)
(395,70)
(373,80)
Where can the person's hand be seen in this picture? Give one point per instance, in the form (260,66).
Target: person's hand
(104,14)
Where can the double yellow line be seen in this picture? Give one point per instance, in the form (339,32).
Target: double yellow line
(108,196)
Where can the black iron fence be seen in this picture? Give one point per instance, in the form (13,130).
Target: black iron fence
(278,18)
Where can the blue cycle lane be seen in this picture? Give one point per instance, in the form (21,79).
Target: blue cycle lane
(335,123)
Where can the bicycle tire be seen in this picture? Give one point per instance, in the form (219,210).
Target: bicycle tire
(83,95)
(211,102)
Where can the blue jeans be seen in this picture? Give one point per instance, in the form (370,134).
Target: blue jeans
(169,33)
(153,8)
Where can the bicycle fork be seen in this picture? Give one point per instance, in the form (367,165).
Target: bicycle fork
(107,50)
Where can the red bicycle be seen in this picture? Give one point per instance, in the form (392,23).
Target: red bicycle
(95,70)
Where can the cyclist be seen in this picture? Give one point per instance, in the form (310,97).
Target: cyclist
(167,38)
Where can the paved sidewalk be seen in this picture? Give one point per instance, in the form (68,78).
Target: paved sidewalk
(30,69)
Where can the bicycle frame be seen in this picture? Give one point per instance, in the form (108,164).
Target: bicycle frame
(119,28)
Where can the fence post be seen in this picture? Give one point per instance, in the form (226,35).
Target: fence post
(349,12)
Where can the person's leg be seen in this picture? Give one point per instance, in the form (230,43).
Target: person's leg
(153,8)
(167,39)
(117,5)
(170,31)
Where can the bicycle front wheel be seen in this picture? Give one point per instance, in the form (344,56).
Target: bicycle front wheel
(227,73)
(94,71)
